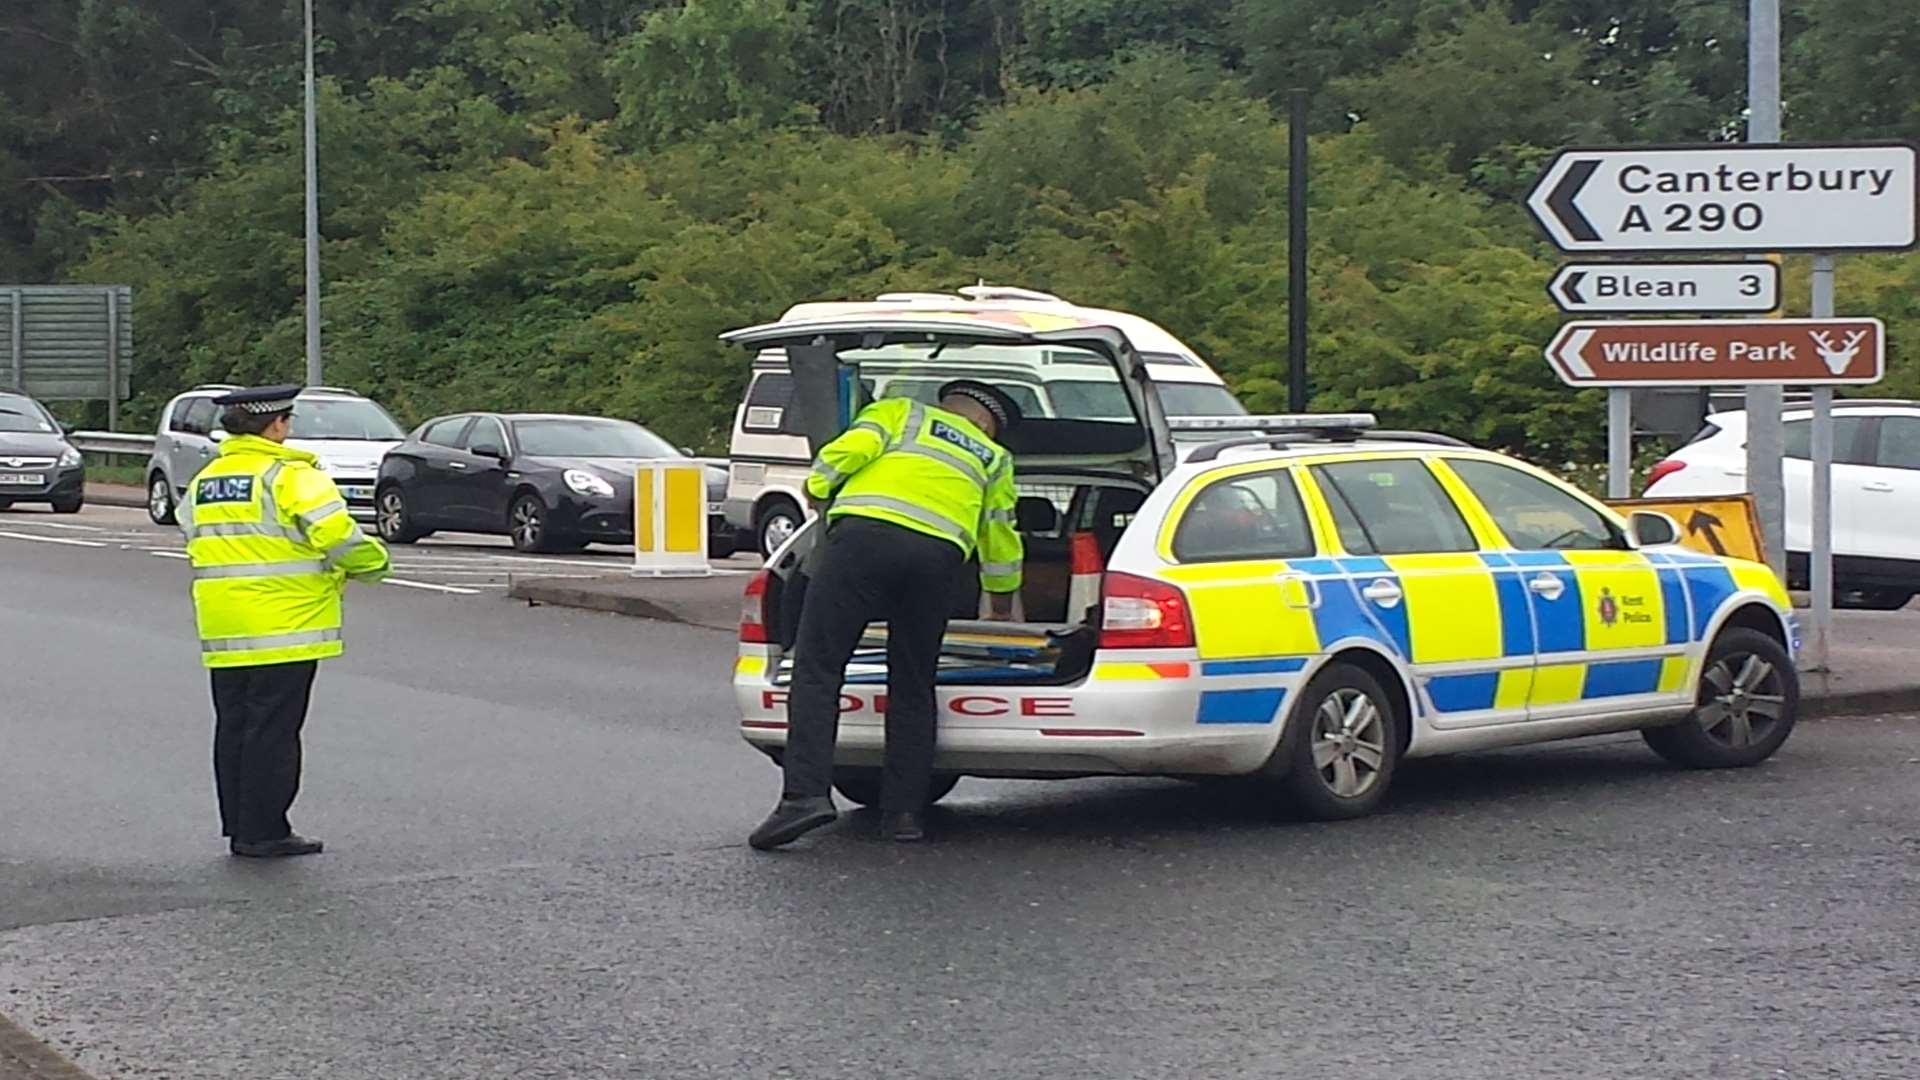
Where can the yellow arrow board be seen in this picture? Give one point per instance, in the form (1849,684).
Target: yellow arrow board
(1714,526)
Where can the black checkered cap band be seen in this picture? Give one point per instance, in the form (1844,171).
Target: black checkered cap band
(986,400)
(277,405)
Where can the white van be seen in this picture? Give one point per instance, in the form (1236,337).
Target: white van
(769,458)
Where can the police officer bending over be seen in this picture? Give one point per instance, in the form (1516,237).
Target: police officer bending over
(915,490)
(272,548)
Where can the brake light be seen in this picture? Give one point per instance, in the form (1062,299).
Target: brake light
(1140,613)
(1664,468)
(753,609)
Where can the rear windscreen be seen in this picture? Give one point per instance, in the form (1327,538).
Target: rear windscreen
(1047,382)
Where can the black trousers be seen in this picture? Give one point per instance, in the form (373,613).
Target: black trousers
(871,571)
(259,712)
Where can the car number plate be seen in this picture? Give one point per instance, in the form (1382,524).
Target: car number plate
(18,478)
(356,491)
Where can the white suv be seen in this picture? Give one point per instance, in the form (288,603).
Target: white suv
(1876,492)
(347,432)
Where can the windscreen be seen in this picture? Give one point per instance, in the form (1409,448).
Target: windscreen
(20,415)
(590,438)
(1045,381)
(1199,399)
(329,418)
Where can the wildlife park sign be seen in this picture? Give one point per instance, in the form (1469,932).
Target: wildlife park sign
(1692,352)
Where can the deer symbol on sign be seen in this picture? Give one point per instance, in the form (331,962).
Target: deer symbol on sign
(1837,357)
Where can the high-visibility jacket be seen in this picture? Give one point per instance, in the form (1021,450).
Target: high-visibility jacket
(929,470)
(272,547)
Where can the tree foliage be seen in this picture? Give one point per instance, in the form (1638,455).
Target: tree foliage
(560,203)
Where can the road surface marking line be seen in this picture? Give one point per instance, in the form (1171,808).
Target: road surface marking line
(60,525)
(168,554)
(53,540)
(404,583)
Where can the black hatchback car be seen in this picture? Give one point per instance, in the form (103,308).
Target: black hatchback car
(37,463)
(549,482)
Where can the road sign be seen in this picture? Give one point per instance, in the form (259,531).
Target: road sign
(1669,352)
(1730,197)
(1712,526)
(67,342)
(1707,288)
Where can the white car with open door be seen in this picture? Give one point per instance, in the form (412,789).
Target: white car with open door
(1303,601)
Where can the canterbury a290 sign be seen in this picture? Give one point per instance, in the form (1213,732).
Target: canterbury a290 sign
(1681,352)
(1730,197)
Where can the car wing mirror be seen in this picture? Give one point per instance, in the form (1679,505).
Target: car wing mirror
(67,429)
(1652,528)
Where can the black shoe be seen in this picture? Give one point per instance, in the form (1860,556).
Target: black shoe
(792,819)
(903,826)
(289,845)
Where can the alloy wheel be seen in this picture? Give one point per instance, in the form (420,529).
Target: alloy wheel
(776,531)
(393,514)
(528,524)
(159,499)
(1742,699)
(1349,742)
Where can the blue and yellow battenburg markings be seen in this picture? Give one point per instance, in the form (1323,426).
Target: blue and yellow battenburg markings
(1268,616)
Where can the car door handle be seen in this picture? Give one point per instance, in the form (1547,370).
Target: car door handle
(1383,592)
(1548,586)
(1877,485)
(456,464)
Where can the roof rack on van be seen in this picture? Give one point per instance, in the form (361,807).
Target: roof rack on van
(913,297)
(984,291)
(332,390)
(217,386)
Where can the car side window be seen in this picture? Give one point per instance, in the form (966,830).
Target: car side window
(1848,434)
(1257,516)
(1534,514)
(768,401)
(1397,507)
(485,437)
(1899,443)
(195,416)
(446,432)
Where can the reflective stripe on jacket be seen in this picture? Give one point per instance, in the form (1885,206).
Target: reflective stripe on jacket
(929,470)
(272,546)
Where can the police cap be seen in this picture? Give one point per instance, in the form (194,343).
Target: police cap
(1006,413)
(260,399)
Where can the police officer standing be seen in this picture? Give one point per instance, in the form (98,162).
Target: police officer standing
(916,489)
(272,547)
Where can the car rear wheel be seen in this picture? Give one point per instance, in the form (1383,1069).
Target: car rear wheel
(391,518)
(862,785)
(776,523)
(1748,700)
(1340,761)
(531,528)
(160,499)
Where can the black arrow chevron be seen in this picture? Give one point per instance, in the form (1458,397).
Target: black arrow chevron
(1561,201)
(1570,288)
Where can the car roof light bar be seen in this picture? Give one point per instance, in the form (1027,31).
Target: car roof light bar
(1309,422)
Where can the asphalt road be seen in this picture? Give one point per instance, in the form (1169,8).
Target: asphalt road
(535,869)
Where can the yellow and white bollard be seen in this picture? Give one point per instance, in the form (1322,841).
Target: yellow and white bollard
(670,520)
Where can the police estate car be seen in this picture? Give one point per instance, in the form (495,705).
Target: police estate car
(1304,604)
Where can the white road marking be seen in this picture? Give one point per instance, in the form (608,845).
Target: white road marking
(168,554)
(53,540)
(457,589)
(61,525)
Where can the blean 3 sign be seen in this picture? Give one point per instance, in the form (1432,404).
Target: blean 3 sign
(1710,288)
(1730,197)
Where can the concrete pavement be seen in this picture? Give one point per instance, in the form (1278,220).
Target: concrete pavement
(535,869)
